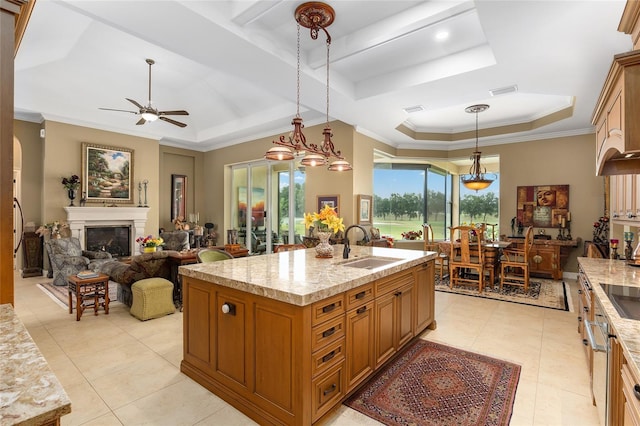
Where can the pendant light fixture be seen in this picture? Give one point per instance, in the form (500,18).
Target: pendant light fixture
(476,179)
(316,16)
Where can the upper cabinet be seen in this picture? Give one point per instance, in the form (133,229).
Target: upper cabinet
(615,118)
(616,114)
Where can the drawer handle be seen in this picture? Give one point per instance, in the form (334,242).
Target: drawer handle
(361,310)
(360,295)
(636,391)
(397,293)
(328,391)
(328,356)
(328,308)
(329,332)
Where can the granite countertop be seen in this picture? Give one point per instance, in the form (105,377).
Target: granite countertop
(30,394)
(619,273)
(298,277)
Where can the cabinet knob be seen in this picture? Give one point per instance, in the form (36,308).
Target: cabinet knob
(537,258)
(630,215)
(228,308)
(636,391)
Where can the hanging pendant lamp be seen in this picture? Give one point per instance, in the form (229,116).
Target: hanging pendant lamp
(316,16)
(476,179)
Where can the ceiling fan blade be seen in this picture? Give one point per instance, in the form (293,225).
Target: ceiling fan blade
(141,121)
(135,103)
(168,120)
(121,110)
(180,112)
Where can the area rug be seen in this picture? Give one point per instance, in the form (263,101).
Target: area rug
(434,384)
(60,293)
(542,292)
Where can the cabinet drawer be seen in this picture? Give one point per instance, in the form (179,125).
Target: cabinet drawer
(327,309)
(327,357)
(359,296)
(327,332)
(632,405)
(327,391)
(393,282)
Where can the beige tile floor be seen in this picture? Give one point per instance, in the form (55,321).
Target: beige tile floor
(121,371)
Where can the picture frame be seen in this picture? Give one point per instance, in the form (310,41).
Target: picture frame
(178,197)
(107,173)
(543,206)
(331,200)
(365,209)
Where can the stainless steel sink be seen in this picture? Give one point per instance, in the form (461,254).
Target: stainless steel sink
(370,262)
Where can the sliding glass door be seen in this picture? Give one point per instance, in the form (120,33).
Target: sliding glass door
(267,202)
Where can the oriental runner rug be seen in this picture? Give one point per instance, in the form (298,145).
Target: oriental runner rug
(542,292)
(60,293)
(433,384)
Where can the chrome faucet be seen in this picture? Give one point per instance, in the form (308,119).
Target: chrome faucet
(345,240)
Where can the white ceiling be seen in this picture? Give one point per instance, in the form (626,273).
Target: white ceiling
(232,65)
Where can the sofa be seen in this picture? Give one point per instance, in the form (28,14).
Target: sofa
(67,258)
(146,265)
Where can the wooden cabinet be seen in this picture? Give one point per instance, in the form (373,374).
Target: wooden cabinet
(286,364)
(625,199)
(424,300)
(393,314)
(547,257)
(615,117)
(360,336)
(585,313)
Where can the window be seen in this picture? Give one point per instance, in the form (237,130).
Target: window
(482,207)
(408,195)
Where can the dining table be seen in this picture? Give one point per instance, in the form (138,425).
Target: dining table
(492,251)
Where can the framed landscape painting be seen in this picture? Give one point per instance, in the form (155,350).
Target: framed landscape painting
(364,209)
(107,173)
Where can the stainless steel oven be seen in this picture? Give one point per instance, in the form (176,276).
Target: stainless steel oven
(598,336)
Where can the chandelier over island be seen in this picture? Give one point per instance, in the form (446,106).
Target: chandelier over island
(316,16)
(476,179)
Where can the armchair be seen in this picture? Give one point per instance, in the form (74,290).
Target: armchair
(147,265)
(176,240)
(67,258)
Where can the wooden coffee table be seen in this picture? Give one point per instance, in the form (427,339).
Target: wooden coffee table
(90,292)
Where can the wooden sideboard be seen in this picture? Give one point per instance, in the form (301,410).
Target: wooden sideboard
(547,257)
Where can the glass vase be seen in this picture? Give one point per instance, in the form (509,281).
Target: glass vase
(324,249)
(72,193)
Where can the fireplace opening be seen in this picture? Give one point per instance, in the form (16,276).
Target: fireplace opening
(115,239)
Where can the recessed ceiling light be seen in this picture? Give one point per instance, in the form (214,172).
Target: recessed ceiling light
(413,109)
(442,35)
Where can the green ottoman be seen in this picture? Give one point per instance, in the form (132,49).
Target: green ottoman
(152,298)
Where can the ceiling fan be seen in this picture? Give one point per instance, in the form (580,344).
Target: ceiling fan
(149,113)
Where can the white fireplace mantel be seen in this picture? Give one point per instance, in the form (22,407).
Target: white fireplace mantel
(80,217)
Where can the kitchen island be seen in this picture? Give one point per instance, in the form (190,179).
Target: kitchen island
(623,363)
(286,337)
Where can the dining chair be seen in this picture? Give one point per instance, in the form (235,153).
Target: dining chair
(514,265)
(288,247)
(430,244)
(212,255)
(466,254)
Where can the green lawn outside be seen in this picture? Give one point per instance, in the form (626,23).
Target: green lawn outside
(395,228)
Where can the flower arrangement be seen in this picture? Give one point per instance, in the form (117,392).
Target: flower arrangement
(52,229)
(601,230)
(389,240)
(325,220)
(71,183)
(412,235)
(149,241)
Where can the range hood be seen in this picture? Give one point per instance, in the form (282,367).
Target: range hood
(616,118)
